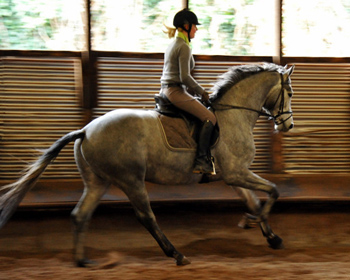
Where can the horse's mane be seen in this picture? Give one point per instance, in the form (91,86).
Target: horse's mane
(236,74)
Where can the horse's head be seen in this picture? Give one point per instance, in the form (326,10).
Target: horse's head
(279,101)
(276,100)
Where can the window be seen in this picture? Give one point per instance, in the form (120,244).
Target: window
(316,28)
(313,28)
(228,27)
(132,25)
(235,27)
(42,25)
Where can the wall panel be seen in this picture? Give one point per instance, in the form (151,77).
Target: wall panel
(39,104)
(320,141)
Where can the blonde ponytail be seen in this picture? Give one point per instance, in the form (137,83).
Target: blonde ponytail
(171,31)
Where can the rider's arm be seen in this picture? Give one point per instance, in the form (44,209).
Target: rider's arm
(185,62)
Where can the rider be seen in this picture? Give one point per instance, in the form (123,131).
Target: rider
(180,87)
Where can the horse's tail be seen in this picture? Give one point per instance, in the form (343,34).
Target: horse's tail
(12,194)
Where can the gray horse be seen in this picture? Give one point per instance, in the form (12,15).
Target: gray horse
(126,147)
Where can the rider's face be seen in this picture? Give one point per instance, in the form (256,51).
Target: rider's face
(193,31)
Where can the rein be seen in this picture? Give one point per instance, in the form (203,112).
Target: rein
(261,112)
(229,107)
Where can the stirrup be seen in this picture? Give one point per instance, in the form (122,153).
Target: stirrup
(201,171)
(213,165)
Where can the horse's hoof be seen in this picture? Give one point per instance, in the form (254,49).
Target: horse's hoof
(275,242)
(183,261)
(86,263)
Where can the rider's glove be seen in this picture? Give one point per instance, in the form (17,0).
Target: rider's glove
(205,98)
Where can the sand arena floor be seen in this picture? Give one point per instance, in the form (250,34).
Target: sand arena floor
(38,244)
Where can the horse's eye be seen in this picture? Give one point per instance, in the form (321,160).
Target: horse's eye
(289,89)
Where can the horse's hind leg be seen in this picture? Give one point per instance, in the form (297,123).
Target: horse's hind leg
(81,216)
(140,202)
(95,188)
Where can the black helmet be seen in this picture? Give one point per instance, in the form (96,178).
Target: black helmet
(185,16)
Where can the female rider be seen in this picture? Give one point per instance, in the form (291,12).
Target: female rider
(180,87)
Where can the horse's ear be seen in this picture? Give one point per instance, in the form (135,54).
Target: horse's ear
(290,70)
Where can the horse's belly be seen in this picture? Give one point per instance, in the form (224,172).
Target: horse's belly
(167,175)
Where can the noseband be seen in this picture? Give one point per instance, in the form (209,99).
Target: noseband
(264,113)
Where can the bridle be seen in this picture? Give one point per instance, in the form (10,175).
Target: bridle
(263,112)
(280,110)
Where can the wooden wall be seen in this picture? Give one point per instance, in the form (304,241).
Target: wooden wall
(45,96)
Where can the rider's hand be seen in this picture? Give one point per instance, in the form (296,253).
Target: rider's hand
(191,91)
(205,97)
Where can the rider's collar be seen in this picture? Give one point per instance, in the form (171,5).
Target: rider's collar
(184,37)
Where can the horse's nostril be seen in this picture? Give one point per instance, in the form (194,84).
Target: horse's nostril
(291,126)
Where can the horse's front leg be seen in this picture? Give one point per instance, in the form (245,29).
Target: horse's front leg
(251,181)
(253,203)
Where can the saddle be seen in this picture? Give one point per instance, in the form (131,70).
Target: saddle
(181,128)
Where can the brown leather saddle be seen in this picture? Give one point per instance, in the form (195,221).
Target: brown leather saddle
(173,119)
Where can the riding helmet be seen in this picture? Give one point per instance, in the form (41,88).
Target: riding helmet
(185,16)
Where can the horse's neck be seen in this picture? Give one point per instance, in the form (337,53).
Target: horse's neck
(250,93)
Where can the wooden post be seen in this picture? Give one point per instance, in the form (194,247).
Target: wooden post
(277,56)
(89,69)
(184,4)
(277,162)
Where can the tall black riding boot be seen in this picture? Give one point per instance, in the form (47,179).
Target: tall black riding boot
(203,163)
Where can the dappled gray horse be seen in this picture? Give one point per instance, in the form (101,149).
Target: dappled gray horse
(125,148)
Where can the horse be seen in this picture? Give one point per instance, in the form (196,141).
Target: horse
(125,148)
